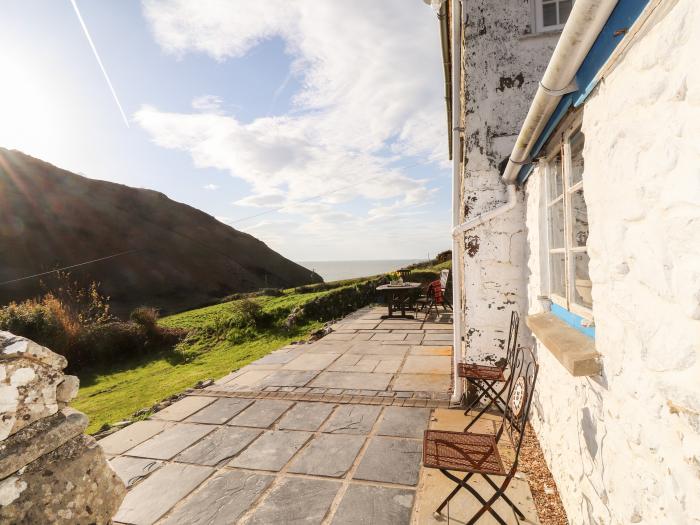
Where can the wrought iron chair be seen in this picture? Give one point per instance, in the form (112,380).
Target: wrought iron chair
(489,381)
(478,454)
(444,276)
(432,299)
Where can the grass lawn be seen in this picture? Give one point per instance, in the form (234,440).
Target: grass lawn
(111,395)
(114,393)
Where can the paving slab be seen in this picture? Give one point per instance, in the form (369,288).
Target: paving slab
(167,444)
(393,324)
(250,379)
(220,411)
(311,362)
(156,495)
(422,382)
(390,336)
(288,378)
(391,460)
(373,505)
(132,435)
(262,413)
(296,501)
(389,366)
(133,470)
(329,348)
(280,357)
(272,450)
(329,455)
(446,336)
(431,350)
(223,443)
(355,363)
(414,338)
(352,419)
(427,364)
(379,349)
(221,500)
(306,416)
(404,422)
(434,487)
(183,408)
(364,380)
(338,336)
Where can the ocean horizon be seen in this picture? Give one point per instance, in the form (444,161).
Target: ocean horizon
(338,270)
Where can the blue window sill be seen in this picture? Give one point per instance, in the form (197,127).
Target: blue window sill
(573,320)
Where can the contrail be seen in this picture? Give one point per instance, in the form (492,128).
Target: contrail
(104,71)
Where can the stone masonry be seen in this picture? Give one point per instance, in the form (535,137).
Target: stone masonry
(50,472)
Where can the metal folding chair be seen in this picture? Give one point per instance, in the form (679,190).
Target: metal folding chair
(478,454)
(491,382)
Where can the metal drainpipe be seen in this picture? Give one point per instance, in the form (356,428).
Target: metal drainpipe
(458,317)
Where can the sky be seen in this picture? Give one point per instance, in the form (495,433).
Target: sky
(318,127)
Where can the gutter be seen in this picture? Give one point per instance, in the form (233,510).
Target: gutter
(446,62)
(585,22)
(457,270)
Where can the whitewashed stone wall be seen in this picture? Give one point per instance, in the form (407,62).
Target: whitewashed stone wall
(50,472)
(502,62)
(625,447)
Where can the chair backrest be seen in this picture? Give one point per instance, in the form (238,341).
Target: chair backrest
(444,274)
(435,290)
(520,392)
(512,339)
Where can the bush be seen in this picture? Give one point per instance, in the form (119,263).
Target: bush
(337,303)
(79,327)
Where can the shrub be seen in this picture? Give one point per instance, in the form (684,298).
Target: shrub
(77,324)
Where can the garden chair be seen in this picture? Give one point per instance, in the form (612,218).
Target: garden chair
(432,299)
(444,275)
(478,454)
(490,382)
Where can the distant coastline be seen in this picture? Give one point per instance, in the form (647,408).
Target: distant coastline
(337,270)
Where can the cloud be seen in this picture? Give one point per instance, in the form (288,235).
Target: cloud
(207,103)
(370,102)
(210,187)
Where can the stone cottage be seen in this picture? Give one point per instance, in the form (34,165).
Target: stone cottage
(575,132)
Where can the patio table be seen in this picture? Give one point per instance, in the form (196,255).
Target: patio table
(398,295)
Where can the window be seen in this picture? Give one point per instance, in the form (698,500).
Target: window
(552,14)
(567,227)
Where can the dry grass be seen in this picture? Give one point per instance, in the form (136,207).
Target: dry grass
(544,490)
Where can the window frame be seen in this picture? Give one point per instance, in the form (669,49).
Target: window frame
(539,18)
(562,147)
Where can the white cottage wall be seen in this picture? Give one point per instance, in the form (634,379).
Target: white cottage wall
(502,62)
(624,447)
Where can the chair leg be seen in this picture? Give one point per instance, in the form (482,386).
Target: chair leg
(500,492)
(493,401)
(506,498)
(462,483)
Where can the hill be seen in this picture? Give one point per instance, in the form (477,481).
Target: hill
(179,257)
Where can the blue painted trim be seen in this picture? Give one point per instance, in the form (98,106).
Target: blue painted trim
(623,16)
(573,320)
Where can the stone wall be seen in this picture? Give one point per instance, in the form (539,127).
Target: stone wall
(502,63)
(624,447)
(50,472)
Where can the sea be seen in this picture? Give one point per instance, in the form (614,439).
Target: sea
(338,270)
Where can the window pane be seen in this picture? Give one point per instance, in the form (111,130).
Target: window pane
(556,225)
(576,157)
(582,281)
(549,14)
(555,181)
(557,273)
(564,10)
(579,219)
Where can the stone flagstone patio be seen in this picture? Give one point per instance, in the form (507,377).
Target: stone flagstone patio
(326,432)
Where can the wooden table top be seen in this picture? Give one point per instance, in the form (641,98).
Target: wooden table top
(404,286)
